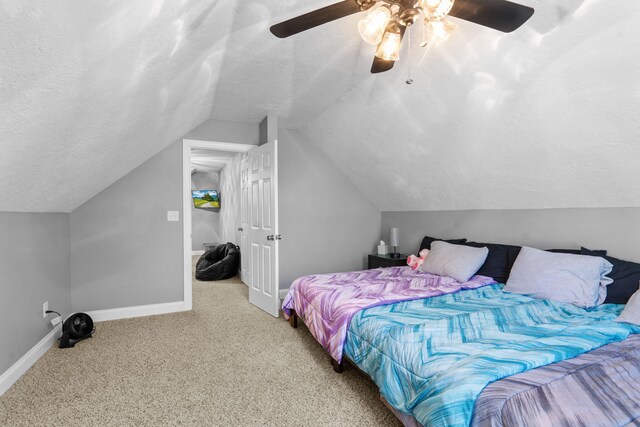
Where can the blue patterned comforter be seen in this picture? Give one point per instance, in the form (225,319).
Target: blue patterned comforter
(432,357)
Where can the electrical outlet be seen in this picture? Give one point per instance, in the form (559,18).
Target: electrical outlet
(45,307)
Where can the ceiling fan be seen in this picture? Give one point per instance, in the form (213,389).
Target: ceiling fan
(387,21)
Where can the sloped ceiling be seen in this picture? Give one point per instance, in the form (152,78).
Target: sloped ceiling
(90,89)
(543,117)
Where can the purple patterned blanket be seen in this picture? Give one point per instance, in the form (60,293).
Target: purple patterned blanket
(598,388)
(327,302)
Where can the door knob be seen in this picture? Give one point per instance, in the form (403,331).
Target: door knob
(240,229)
(270,237)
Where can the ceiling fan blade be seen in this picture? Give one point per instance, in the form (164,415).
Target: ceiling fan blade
(381,65)
(317,17)
(501,15)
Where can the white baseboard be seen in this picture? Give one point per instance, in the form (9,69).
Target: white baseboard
(137,311)
(200,252)
(11,375)
(8,378)
(241,276)
(283,293)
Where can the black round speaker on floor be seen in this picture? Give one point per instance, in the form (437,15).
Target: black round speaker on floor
(77,327)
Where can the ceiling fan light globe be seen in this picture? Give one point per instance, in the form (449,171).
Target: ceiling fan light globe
(437,10)
(372,27)
(437,31)
(389,47)
(431,4)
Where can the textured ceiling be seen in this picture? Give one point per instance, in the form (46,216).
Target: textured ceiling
(543,117)
(90,89)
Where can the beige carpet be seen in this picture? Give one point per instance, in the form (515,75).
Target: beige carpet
(224,363)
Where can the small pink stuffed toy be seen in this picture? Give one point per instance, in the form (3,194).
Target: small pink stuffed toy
(415,262)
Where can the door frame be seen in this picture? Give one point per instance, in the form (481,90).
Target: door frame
(187,145)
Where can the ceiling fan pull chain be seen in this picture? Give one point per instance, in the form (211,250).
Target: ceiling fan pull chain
(409,79)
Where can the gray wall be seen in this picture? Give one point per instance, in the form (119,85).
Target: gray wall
(225,131)
(268,129)
(230,201)
(614,229)
(326,223)
(124,252)
(205,223)
(34,268)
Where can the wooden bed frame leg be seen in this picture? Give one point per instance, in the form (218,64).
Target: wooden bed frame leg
(293,319)
(338,367)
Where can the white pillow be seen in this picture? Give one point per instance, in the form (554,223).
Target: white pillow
(569,278)
(631,312)
(456,261)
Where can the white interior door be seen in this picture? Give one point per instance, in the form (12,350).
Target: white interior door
(263,227)
(245,252)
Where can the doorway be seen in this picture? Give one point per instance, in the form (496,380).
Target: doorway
(208,159)
(255,176)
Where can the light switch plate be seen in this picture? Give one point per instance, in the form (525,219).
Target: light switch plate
(173,215)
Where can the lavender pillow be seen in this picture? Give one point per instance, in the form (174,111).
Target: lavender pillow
(631,312)
(569,278)
(456,261)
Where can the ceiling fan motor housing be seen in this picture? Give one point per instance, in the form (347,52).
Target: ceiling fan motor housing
(366,4)
(409,17)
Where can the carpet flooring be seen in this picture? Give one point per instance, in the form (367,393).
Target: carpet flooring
(226,363)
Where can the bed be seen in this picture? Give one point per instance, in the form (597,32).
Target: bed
(444,352)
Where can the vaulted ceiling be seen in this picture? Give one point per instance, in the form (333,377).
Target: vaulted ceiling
(542,117)
(545,117)
(90,89)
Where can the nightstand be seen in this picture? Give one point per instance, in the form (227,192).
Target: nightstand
(376,261)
